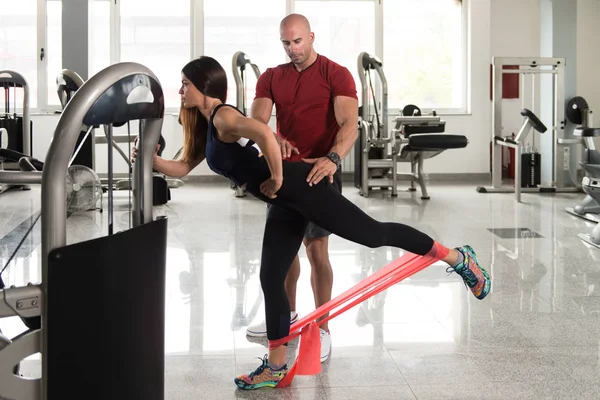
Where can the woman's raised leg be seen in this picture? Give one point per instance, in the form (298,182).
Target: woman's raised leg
(326,207)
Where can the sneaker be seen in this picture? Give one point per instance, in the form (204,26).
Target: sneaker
(260,330)
(325,345)
(263,376)
(475,277)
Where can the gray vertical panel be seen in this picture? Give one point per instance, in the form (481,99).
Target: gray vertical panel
(558,39)
(75,36)
(565,43)
(546,95)
(546,82)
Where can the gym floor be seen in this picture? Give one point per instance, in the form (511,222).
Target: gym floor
(534,336)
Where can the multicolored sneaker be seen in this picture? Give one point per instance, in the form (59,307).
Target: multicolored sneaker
(263,376)
(475,277)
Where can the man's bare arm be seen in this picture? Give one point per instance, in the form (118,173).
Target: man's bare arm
(261,109)
(346,114)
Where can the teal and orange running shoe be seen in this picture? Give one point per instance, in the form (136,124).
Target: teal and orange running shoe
(475,277)
(263,376)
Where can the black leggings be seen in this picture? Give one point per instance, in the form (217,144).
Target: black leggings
(327,208)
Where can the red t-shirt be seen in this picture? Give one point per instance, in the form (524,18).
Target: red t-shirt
(304,103)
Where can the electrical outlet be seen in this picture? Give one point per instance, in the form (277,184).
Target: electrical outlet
(567,160)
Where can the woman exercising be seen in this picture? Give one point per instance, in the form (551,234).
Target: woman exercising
(212,131)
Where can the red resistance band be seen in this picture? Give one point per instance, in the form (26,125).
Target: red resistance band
(308,361)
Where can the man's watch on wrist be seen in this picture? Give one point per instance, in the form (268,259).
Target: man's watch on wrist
(335,158)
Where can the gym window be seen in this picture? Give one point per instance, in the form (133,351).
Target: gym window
(18,47)
(423,44)
(100,34)
(343,29)
(424,54)
(249,26)
(156,34)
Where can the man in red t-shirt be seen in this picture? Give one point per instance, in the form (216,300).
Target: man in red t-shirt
(317,122)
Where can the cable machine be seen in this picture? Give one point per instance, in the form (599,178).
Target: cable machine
(16,129)
(555,159)
(414,138)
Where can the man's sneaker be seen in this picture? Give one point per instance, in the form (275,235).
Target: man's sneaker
(260,330)
(263,376)
(475,277)
(325,345)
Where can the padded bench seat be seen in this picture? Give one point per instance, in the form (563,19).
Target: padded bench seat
(429,145)
(432,141)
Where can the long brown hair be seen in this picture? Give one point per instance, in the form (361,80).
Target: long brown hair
(209,77)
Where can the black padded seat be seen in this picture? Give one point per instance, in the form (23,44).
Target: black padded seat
(10,155)
(429,145)
(427,141)
(535,121)
(14,156)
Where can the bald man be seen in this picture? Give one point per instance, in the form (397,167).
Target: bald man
(317,122)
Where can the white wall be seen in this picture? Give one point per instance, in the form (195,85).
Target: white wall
(43,129)
(515,32)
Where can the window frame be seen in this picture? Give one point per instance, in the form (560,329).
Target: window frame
(197,35)
(43,105)
(48,107)
(281,59)
(42,63)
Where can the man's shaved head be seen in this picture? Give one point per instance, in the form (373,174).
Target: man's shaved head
(295,20)
(297,40)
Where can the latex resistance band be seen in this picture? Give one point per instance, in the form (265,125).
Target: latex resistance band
(308,361)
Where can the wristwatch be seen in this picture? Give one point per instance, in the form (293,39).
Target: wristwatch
(335,157)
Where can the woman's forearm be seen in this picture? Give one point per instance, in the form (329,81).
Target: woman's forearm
(272,153)
(172,168)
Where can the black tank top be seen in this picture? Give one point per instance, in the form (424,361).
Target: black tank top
(241,164)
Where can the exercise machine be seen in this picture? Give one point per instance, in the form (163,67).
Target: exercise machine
(579,113)
(414,139)
(83,185)
(17,128)
(591,186)
(526,163)
(551,165)
(102,338)
(239,62)
(68,82)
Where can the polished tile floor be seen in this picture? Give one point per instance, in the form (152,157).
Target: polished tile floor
(536,336)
